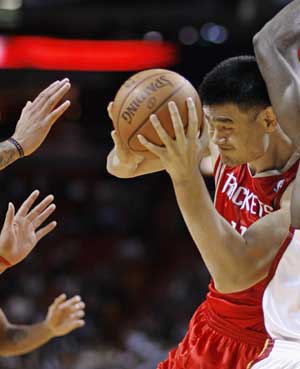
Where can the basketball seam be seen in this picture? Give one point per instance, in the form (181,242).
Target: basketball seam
(158,107)
(129,92)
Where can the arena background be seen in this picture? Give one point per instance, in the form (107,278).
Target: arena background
(121,244)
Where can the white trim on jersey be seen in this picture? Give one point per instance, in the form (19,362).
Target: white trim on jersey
(284,355)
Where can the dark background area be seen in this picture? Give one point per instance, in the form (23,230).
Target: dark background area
(121,244)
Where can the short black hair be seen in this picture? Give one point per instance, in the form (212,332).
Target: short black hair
(235,80)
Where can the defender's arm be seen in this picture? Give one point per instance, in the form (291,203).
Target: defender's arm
(277,51)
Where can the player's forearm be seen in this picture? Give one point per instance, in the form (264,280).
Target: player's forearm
(8,154)
(131,170)
(277,55)
(220,246)
(21,339)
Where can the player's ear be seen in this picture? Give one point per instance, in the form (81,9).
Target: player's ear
(268,119)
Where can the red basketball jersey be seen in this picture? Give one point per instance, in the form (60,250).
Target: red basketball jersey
(227,330)
(242,199)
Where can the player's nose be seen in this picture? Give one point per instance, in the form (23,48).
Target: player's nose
(218,139)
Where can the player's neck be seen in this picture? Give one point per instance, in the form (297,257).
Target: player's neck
(277,155)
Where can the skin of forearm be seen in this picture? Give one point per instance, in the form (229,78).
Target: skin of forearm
(21,339)
(220,246)
(235,262)
(8,154)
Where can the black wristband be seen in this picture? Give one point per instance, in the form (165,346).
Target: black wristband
(17,145)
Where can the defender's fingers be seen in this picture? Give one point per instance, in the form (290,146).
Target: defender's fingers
(59,300)
(58,112)
(76,324)
(70,302)
(27,204)
(40,219)
(38,209)
(27,106)
(9,217)
(53,100)
(78,314)
(78,306)
(41,233)
(46,94)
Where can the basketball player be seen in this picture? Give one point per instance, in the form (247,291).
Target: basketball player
(255,164)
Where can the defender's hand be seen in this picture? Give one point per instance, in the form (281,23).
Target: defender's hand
(65,315)
(20,232)
(38,116)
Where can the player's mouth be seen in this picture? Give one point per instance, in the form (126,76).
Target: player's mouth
(225,148)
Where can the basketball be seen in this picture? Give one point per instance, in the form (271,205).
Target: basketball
(147,93)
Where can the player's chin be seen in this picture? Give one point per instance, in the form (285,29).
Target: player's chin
(227,160)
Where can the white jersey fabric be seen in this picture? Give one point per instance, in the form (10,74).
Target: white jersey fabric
(283,355)
(281,307)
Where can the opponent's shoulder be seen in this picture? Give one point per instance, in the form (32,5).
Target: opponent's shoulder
(285,200)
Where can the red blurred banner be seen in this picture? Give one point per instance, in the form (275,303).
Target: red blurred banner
(84,55)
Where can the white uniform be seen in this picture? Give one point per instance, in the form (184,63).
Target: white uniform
(281,306)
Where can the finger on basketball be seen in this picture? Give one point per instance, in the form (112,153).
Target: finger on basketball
(38,209)
(193,127)
(177,121)
(156,150)
(161,132)
(27,204)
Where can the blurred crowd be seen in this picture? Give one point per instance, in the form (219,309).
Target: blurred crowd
(121,244)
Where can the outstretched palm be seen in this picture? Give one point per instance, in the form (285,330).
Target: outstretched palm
(20,232)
